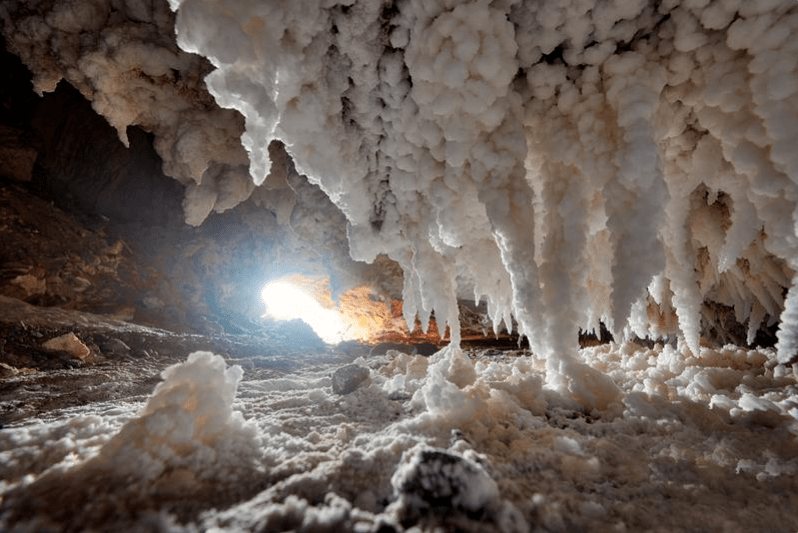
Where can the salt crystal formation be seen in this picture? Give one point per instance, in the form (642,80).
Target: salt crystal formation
(639,150)
(186,439)
(188,422)
(570,162)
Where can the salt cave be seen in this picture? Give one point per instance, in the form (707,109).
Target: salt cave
(559,236)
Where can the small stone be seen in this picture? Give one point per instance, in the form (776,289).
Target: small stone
(438,480)
(68,343)
(348,378)
(80,284)
(114,346)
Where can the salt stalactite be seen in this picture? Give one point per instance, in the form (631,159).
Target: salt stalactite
(122,57)
(615,160)
(573,163)
(787,346)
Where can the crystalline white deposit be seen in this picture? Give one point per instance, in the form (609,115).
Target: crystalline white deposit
(580,150)
(708,439)
(559,160)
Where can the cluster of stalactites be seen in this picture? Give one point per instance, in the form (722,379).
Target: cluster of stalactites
(572,163)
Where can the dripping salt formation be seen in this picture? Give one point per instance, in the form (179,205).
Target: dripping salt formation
(572,164)
(625,163)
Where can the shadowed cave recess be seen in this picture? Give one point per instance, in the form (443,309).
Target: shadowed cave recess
(372,265)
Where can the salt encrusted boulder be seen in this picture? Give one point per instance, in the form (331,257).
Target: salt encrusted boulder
(114,346)
(348,378)
(439,480)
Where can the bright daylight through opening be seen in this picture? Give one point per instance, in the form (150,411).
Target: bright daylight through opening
(287,301)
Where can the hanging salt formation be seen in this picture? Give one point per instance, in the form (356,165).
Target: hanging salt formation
(570,163)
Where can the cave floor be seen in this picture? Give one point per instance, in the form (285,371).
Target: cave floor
(696,444)
(125,359)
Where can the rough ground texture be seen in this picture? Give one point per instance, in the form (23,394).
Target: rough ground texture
(465,442)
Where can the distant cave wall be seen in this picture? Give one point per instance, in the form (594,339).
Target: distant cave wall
(209,273)
(123,58)
(208,277)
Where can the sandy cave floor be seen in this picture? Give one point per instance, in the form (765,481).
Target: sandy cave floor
(468,441)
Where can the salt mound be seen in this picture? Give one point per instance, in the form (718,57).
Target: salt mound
(188,445)
(188,422)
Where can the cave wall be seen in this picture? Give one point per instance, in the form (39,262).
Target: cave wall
(82,160)
(204,278)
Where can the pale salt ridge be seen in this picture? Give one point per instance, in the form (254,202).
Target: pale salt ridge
(188,419)
(186,439)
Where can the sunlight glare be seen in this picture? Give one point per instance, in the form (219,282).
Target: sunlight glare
(286,301)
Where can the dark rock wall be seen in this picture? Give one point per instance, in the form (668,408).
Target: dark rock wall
(205,278)
(82,160)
